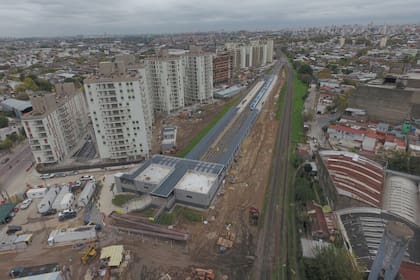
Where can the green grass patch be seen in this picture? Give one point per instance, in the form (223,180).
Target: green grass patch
(167,219)
(300,92)
(121,199)
(181,214)
(148,212)
(206,129)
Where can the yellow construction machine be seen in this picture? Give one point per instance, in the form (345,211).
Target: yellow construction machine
(89,254)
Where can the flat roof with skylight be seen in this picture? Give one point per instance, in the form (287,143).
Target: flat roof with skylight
(154,173)
(196,182)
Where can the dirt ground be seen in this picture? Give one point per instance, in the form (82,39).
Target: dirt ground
(187,128)
(245,187)
(151,258)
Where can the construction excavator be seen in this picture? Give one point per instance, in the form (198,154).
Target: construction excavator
(89,254)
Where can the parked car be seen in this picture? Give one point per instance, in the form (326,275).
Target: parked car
(87,178)
(76,186)
(60,174)
(49,212)
(3,161)
(13,229)
(25,204)
(46,176)
(71,173)
(67,214)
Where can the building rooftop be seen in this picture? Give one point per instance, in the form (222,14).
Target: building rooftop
(19,105)
(363,228)
(355,176)
(46,276)
(179,167)
(401,197)
(154,173)
(196,182)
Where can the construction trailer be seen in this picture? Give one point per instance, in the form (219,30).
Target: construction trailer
(48,200)
(86,194)
(68,235)
(65,189)
(36,193)
(66,202)
(30,272)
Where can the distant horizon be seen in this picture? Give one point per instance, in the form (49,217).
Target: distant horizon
(61,18)
(110,35)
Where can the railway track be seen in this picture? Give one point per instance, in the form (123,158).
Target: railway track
(272,251)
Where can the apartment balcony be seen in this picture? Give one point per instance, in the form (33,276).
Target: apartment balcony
(114,138)
(108,101)
(35,147)
(115,132)
(34,142)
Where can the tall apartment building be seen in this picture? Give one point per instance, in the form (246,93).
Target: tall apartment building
(166,77)
(252,54)
(222,68)
(198,76)
(121,110)
(57,124)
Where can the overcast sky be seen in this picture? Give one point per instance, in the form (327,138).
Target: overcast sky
(72,17)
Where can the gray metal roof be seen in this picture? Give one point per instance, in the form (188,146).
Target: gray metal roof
(180,165)
(19,105)
(201,148)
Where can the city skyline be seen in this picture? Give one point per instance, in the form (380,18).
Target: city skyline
(46,18)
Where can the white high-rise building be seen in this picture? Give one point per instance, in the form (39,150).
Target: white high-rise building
(166,77)
(57,125)
(252,54)
(198,77)
(121,110)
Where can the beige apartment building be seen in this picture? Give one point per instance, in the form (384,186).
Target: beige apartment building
(57,124)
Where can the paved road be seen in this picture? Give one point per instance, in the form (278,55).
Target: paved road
(20,159)
(272,255)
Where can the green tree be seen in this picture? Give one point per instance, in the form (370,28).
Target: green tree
(30,84)
(12,137)
(44,85)
(305,69)
(331,263)
(4,121)
(6,144)
(20,88)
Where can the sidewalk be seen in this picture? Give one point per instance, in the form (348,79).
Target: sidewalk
(106,196)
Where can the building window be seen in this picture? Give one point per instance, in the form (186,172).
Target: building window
(189,196)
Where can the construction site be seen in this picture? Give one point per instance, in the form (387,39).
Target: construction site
(219,245)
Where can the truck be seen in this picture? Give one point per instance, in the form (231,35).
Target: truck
(19,271)
(66,202)
(68,235)
(46,203)
(86,194)
(65,189)
(36,193)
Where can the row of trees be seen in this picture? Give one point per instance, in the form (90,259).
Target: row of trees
(12,139)
(34,83)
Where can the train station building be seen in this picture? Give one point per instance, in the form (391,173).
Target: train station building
(174,180)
